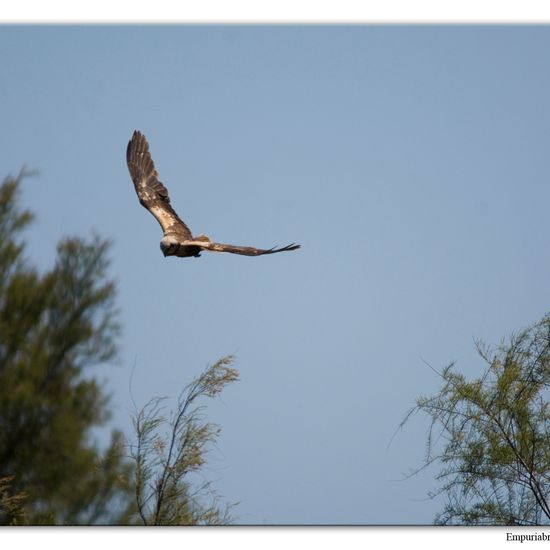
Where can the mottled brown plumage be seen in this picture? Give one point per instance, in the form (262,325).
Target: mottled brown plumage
(153,195)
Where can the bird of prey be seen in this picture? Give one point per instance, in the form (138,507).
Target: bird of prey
(177,239)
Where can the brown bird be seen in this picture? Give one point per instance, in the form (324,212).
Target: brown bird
(177,239)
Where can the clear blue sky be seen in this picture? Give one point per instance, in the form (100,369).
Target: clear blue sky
(411,163)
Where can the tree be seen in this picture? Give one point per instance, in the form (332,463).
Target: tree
(492,435)
(54,327)
(169,449)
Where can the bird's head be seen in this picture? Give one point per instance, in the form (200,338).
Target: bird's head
(169,246)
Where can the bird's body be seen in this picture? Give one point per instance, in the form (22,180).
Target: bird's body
(153,195)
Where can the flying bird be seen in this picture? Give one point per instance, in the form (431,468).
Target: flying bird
(153,195)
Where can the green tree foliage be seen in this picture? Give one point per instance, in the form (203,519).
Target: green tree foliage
(11,505)
(54,327)
(491,435)
(168,450)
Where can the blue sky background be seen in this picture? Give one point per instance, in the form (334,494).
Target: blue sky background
(412,165)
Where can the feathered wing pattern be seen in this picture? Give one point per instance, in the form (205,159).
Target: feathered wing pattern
(151,192)
(244,250)
(153,195)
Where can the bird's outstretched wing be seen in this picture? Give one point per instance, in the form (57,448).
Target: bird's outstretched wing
(244,250)
(152,194)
